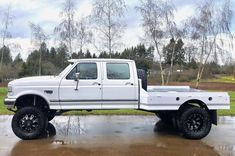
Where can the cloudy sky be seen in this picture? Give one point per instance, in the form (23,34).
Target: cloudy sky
(46,13)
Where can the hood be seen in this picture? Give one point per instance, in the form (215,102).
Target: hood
(36,81)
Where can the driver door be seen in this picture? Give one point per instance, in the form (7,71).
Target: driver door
(88,93)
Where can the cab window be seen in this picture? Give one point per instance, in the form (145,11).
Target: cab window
(87,71)
(118,71)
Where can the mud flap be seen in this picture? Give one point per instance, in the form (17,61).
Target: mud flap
(213,115)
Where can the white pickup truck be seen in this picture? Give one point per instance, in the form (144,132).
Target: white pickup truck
(95,84)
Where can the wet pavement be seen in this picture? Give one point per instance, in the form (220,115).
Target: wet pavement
(115,136)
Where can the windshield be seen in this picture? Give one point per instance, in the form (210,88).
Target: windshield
(65,70)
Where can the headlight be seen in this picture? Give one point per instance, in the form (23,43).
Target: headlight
(10,89)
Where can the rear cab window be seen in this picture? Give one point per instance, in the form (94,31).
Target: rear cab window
(118,71)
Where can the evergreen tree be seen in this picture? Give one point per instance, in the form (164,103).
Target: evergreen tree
(62,56)
(94,55)
(142,56)
(104,55)
(75,56)
(115,55)
(7,58)
(18,59)
(17,66)
(192,64)
(179,53)
(80,55)
(87,54)
(52,55)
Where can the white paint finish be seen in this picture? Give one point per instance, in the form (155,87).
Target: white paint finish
(37,86)
(38,90)
(100,60)
(120,89)
(167,100)
(55,107)
(168,87)
(115,93)
(95,106)
(143,95)
(80,105)
(176,107)
(170,98)
(120,105)
(87,90)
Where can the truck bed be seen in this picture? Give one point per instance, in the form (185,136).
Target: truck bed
(172,97)
(172,89)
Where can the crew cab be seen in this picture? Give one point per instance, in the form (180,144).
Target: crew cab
(95,84)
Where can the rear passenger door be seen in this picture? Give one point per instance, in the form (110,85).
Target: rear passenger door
(119,90)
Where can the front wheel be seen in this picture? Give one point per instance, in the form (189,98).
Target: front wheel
(29,123)
(195,123)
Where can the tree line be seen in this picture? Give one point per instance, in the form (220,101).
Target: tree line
(54,60)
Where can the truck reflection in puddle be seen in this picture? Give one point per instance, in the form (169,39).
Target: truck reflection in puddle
(112,136)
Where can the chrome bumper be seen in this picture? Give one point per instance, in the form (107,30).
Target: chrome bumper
(9,103)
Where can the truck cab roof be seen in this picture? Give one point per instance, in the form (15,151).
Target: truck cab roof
(99,60)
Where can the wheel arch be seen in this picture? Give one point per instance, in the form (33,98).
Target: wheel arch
(31,99)
(199,103)
(194,102)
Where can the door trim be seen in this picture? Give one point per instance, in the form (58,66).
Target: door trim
(97,100)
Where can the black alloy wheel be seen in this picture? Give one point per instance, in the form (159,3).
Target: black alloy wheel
(195,123)
(29,123)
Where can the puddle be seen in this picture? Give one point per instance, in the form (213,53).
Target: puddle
(116,135)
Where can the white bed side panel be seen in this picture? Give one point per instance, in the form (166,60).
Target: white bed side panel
(173,100)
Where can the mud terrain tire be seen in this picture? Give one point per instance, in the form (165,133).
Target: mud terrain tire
(195,123)
(29,123)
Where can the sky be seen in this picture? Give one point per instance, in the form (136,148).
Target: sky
(46,14)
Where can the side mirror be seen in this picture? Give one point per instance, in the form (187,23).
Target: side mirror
(77,76)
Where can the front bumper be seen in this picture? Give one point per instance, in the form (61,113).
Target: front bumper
(9,103)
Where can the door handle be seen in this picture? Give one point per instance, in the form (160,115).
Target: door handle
(129,83)
(96,83)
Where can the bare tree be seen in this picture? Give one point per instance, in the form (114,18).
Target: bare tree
(5,34)
(172,31)
(107,16)
(190,51)
(66,30)
(210,27)
(38,36)
(84,34)
(156,15)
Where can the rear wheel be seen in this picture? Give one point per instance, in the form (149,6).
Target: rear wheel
(29,123)
(195,123)
(165,116)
